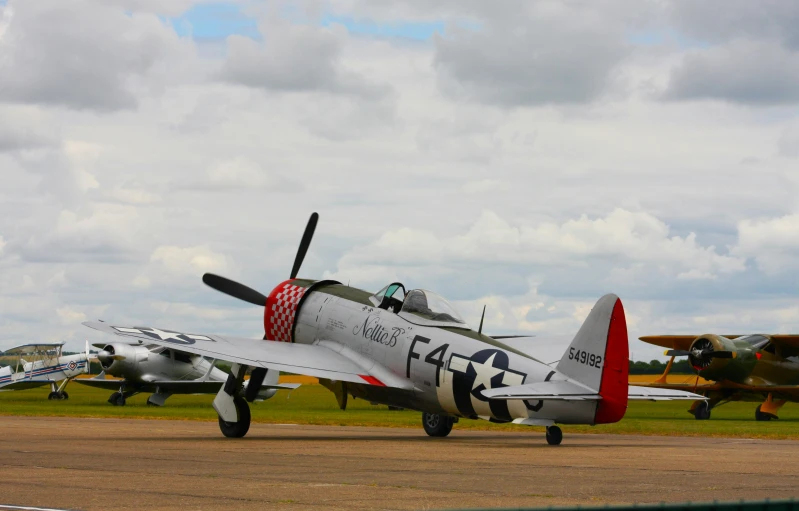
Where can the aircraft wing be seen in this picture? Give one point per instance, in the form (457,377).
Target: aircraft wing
(638,393)
(564,390)
(24,384)
(324,360)
(27,349)
(689,387)
(683,342)
(172,386)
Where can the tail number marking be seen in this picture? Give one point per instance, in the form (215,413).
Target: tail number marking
(583,357)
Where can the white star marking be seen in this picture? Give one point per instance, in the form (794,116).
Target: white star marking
(485,372)
(164,335)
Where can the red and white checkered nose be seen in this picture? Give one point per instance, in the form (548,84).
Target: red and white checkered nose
(280,311)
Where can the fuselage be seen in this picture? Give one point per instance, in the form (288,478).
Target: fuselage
(448,365)
(142,364)
(42,371)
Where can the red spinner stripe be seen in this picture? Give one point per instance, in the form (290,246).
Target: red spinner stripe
(371,380)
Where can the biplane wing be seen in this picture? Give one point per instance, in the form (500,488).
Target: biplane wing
(27,349)
(682,342)
(329,360)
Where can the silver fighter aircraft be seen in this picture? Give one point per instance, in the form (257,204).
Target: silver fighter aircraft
(411,349)
(164,371)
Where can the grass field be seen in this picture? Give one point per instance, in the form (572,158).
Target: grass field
(313,404)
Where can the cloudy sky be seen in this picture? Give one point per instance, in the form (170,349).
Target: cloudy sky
(530,156)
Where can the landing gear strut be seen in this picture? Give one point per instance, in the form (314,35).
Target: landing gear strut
(117,399)
(768,410)
(554,435)
(239,428)
(436,424)
(702,411)
(57,393)
(233,410)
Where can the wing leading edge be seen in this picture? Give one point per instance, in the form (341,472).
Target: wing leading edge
(324,360)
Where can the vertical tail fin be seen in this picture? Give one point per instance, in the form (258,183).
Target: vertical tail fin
(599,358)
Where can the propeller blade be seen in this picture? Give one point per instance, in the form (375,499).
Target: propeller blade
(234,289)
(105,356)
(677,353)
(304,244)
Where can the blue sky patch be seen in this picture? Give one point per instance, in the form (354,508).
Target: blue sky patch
(416,30)
(215,21)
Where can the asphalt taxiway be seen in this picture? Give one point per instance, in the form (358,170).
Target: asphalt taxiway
(114,464)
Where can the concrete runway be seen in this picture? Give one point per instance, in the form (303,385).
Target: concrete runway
(113,464)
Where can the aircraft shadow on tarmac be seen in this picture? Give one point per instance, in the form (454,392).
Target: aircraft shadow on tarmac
(499,441)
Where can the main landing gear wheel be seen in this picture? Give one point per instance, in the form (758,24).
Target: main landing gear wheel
(554,435)
(702,412)
(57,396)
(240,428)
(117,399)
(763,416)
(436,424)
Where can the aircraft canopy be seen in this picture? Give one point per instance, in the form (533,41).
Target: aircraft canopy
(418,306)
(428,308)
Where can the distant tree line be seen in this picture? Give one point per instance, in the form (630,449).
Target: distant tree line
(657,367)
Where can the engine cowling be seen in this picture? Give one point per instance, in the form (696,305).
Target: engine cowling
(281,309)
(715,357)
(117,359)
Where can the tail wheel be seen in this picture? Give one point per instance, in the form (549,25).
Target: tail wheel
(240,428)
(763,416)
(436,424)
(702,411)
(554,435)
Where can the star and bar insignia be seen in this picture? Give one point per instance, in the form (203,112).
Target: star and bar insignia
(163,335)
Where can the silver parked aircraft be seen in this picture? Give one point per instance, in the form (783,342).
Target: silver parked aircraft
(164,371)
(411,349)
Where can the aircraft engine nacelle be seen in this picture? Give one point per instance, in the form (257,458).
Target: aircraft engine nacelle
(281,309)
(116,359)
(715,357)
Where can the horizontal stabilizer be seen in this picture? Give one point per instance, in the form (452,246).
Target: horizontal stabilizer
(657,394)
(565,390)
(561,390)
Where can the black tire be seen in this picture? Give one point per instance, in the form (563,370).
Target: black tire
(64,395)
(113,398)
(702,411)
(554,435)
(763,416)
(436,424)
(52,396)
(120,401)
(240,428)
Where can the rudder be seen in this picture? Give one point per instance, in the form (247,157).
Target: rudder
(599,358)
